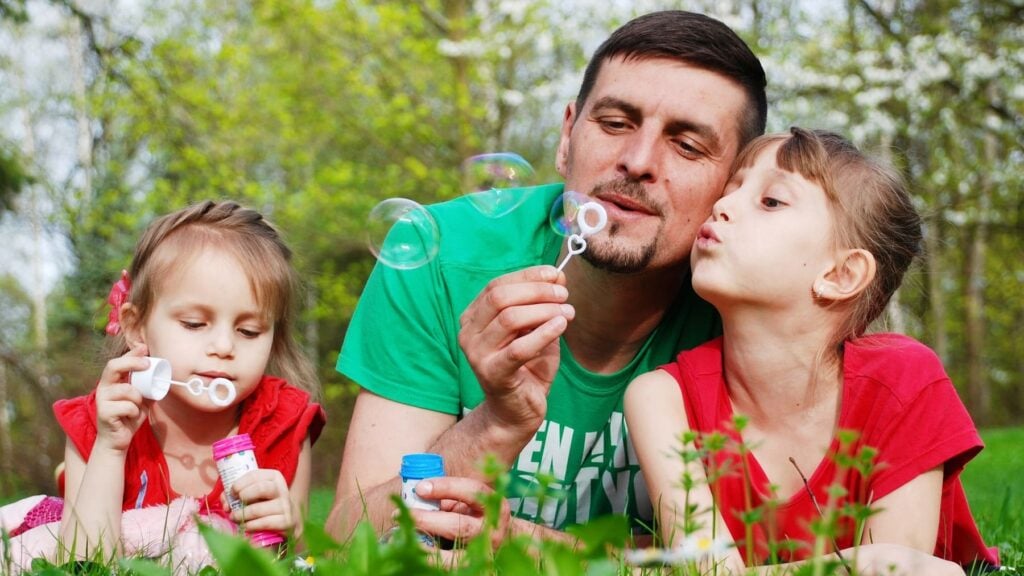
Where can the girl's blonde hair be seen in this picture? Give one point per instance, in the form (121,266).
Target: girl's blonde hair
(870,206)
(256,243)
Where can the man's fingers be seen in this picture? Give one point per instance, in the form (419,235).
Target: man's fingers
(501,293)
(458,488)
(458,527)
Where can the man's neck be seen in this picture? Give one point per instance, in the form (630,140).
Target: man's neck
(615,313)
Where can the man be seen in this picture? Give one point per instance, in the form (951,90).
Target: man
(490,350)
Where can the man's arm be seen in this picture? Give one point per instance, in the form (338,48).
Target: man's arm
(509,334)
(382,431)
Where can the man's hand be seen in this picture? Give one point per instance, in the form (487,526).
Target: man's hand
(463,514)
(509,334)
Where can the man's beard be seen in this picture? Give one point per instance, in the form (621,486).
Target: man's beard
(603,253)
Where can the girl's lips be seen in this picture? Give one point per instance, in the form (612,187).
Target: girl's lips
(213,375)
(706,237)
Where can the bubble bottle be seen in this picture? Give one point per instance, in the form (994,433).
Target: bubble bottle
(417,467)
(235,456)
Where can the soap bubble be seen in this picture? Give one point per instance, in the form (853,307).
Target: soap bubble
(491,181)
(402,234)
(564,210)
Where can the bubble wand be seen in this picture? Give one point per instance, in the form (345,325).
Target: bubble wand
(577,243)
(154,383)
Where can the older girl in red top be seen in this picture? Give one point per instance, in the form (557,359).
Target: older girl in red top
(799,256)
(212,291)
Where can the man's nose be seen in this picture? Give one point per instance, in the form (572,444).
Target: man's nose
(640,156)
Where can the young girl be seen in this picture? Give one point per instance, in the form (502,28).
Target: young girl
(211,289)
(799,256)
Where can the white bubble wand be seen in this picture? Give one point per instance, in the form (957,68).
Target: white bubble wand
(154,383)
(577,243)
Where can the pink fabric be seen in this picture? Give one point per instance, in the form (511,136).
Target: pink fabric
(899,400)
(168,533)
(47,510)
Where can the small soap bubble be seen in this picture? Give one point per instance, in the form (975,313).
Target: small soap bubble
(402,234)
(564,211)
(492,181)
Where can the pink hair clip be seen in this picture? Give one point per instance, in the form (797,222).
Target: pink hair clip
(117,297)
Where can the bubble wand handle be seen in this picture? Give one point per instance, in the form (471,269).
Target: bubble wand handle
(576,244)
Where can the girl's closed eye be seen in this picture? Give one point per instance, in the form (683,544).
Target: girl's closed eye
(192,324)
(250,332)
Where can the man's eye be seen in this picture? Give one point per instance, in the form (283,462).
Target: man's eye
(687,149)
(612,125)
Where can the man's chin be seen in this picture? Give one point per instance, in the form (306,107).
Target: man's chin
(619,259)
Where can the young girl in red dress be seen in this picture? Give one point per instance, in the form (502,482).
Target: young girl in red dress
(211,289)
(799,256)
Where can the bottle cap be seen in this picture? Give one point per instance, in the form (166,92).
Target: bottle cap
(231,445)
(419,466)
(265,538)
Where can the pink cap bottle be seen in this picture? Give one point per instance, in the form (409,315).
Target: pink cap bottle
(235,456)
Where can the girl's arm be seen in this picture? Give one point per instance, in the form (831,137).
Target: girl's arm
(656,420)
(91,522)
(94,490)
(909,515)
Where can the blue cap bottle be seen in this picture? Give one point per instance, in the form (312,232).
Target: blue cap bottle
(416,467)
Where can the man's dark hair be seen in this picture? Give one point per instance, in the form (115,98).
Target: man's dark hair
(694,39)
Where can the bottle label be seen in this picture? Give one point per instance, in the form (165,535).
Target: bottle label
(231,468)
(414,501)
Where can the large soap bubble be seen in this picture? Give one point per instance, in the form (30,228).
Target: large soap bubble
(492,181)
(402,234)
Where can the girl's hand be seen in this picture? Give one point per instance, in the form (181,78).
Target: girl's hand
(119,406)
(266,504)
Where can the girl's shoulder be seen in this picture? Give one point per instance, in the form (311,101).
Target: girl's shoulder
(896,362)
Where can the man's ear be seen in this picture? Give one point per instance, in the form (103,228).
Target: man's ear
(131,325)
(851,274)
(562,153)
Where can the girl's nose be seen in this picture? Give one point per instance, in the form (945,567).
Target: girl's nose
(222,342)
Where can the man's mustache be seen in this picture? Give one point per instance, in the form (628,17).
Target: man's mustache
(627,188)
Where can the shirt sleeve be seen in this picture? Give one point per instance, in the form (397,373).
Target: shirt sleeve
(932,429)
(402,341)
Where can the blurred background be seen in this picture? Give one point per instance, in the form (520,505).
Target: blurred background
(113,112)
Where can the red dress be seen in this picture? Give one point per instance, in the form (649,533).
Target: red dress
(897,398)
(277,415)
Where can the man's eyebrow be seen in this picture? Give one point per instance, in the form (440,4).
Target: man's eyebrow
(612,103)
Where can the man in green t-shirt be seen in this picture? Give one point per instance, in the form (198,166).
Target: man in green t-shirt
(488,349)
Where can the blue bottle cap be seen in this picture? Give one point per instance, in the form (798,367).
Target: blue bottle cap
(419,466)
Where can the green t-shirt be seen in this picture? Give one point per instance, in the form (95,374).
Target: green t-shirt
(403,345)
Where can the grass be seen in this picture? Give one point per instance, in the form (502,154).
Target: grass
(994,482)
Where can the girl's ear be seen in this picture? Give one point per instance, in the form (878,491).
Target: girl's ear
(131,325)
(852,273)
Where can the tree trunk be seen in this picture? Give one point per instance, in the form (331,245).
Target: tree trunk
(978,389)
(936,297)
(6,446)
